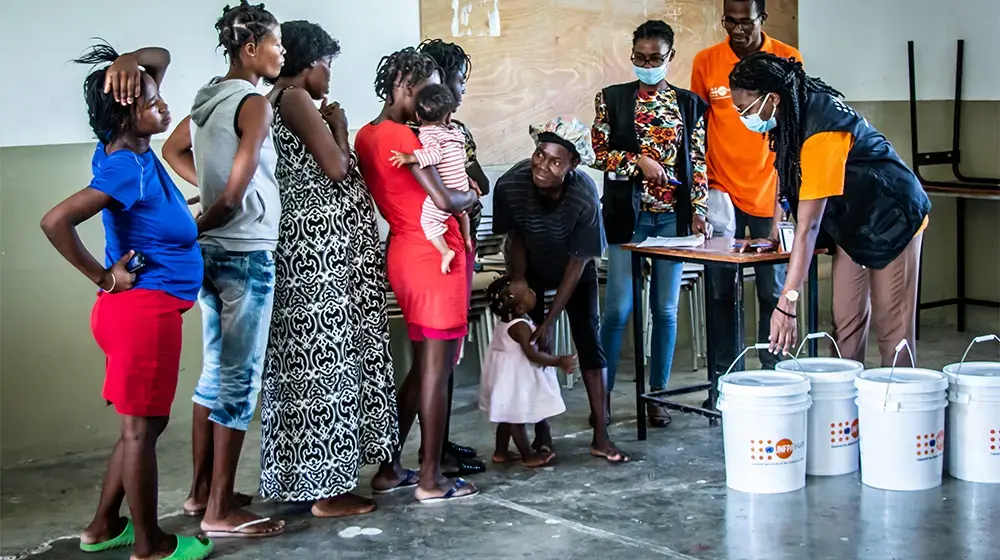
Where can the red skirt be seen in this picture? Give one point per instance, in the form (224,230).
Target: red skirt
(140,333)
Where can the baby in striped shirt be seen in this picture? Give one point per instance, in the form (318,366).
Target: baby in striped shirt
(443,147)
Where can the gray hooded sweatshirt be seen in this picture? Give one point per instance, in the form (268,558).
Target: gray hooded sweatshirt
(214,117)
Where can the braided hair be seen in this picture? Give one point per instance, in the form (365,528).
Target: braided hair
(406,67)
(503,304)
(767,73)
(109,119)
(450,57)
(243,24)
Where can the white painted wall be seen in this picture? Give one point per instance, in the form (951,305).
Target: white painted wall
(41,102)
(859,46)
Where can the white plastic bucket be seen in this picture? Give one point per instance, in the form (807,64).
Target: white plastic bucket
(764,428)
(973,450)
(903,440)
(833,418)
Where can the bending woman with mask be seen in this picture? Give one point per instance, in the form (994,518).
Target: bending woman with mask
(649,138)
(843,180)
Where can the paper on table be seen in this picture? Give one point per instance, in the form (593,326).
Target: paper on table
(689,241)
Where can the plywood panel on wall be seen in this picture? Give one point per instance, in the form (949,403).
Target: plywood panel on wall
(535,59)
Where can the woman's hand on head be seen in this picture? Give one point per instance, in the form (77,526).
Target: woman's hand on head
(652,171)
(123,79)
(117,278)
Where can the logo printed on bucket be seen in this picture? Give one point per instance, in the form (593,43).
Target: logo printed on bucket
(784,448)
(771,453)
(930,446)
(844,434)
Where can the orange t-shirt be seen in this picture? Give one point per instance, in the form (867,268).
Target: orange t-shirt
(823,161)
(739,161)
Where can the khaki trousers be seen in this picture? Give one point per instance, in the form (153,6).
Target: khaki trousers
(887,296)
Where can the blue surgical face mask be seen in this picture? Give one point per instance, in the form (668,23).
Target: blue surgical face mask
(755,122)
(651,76)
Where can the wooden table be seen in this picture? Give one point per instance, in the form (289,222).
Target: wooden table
(714,254)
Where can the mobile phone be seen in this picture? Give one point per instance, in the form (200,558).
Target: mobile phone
(753,245)
(135,263)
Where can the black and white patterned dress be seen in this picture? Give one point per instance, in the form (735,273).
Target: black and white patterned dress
(329,400)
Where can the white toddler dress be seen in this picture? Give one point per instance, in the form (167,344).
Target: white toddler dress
(513,389)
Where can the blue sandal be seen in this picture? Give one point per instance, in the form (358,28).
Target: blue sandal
(410,480)
(450,494)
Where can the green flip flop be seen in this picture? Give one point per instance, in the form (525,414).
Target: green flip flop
(124,540)
(192,548)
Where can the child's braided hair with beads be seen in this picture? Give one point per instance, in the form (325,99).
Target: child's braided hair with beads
(503,304)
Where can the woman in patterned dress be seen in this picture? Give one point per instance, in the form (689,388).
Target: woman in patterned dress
(329,400)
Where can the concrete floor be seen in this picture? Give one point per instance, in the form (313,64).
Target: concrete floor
(671,502)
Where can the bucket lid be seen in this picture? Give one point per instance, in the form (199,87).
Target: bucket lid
(979,374)
(764,383)
(903,380)
(823,370)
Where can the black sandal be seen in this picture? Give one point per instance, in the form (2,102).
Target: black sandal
(460,451)
(466,467)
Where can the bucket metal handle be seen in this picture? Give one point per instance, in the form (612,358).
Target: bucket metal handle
(759,346)
(977,340)
(814,336)
(913,362)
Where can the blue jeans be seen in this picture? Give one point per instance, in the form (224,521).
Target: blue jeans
(769,281)
(664,294)
(236,298)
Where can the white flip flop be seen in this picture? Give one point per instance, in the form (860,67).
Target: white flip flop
(237,532)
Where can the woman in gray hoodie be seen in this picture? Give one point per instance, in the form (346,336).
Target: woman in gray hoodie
(225,148)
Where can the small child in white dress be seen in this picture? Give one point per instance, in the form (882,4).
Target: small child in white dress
(519,384)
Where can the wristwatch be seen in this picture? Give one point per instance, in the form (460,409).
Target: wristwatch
(791,295)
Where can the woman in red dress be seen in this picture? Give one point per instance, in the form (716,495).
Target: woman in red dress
(434,305)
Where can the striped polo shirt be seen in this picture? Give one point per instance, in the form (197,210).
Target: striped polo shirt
(553,231)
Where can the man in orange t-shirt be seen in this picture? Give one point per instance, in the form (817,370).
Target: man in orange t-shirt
(740,164)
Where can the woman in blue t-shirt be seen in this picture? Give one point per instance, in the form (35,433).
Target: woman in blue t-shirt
(151,275)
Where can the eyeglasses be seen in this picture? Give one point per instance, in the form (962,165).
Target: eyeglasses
(746,25)
(654,61)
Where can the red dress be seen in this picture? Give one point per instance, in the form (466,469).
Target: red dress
(431,302)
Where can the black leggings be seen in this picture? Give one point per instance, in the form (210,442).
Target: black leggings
(584,319)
